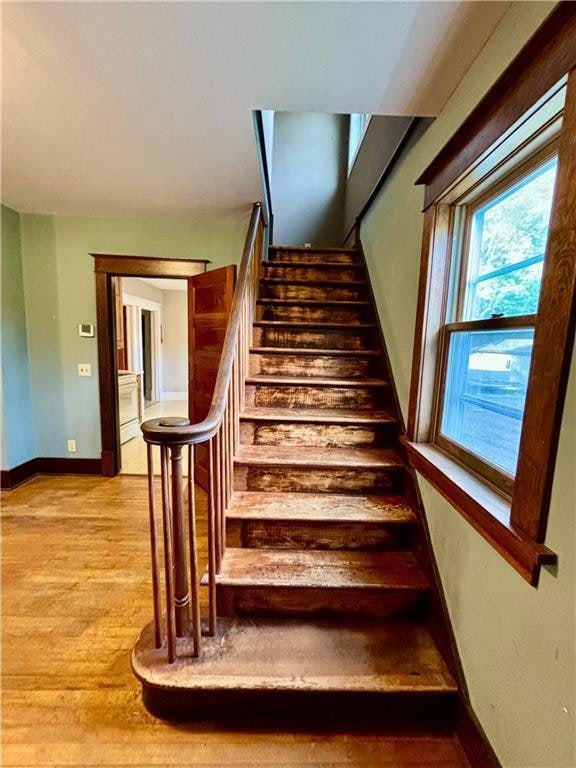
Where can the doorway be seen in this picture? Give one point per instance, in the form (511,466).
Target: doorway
(110,333)
(147,354)
(156,338)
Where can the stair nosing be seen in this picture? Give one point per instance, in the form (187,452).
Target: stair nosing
(390,462)
(330,283)
(315,302)
(267,582)
(307,325)
(314,264)
(256,413)
(405,515)
(310,381)
(317,351)
(312,249)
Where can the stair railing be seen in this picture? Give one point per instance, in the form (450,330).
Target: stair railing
(221,431)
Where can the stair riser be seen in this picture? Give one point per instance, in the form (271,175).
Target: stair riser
(301,396)
(338,480)
(325,366)
(313,272)
(315,338)
(275,534)
(324,602)
(313,292)
(316,435)
(312,257)
(329,314)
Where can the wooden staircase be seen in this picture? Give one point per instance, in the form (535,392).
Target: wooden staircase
(324,588)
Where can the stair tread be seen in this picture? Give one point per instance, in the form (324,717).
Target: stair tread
(312,381)
(305,568)
(332,507)
(313,264)
(311,249)
(316,351)
(315,457)
(319,415)
(315,302)
(305,655)
(307,324)
(314,281)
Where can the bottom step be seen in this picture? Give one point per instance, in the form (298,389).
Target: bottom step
(268,665)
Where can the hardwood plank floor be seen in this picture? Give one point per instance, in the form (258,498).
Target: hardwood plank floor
(75,595)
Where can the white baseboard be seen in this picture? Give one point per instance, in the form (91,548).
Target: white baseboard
(174,396)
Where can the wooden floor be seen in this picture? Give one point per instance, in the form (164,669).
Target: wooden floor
(75,595)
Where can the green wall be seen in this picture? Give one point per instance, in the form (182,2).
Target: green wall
(59,290)
(18,436)
(516,642)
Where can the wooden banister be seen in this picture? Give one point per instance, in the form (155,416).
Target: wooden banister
(153,430)
(221,430)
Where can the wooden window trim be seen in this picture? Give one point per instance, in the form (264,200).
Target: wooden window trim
(517,529)
(547,56)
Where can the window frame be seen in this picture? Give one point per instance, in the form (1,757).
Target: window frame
(460,234)
(515,527)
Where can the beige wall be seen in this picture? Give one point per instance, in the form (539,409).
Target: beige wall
(516,642)
(380,140)
(309,178)
(175,340)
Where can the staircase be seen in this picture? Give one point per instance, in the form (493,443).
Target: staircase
(323,589)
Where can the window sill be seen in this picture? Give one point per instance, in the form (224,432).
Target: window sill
(483,508)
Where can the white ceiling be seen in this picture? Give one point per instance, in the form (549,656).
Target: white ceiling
(145,108)
(168,283)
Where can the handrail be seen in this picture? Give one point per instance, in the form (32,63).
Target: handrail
(264,172)
(189,434)
(220,430)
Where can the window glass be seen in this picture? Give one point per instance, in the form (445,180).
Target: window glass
(358,124)
(507,244)
(486,382)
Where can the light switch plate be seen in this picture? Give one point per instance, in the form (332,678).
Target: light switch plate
(84,369)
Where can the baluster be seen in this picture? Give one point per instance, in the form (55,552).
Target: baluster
(217,500)
(230,418)
(194,596)
(241,371)
(168,558)
(181,597)
(211,538)
(235,396)
(221,487)
(154,551)
(226,425)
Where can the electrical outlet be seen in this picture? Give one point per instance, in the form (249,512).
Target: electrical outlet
(84,369)
(71,446)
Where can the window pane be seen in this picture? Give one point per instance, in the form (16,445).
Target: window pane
(358,122)
(507,245)
(486,382)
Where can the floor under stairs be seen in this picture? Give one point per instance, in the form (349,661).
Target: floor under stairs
(323,594)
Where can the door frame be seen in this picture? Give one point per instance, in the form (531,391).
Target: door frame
(136,305)
(107,266)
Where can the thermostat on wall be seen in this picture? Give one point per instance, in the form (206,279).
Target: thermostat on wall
(86,329)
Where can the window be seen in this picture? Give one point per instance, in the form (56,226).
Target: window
(358,125)
(496,313)
(486,349)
